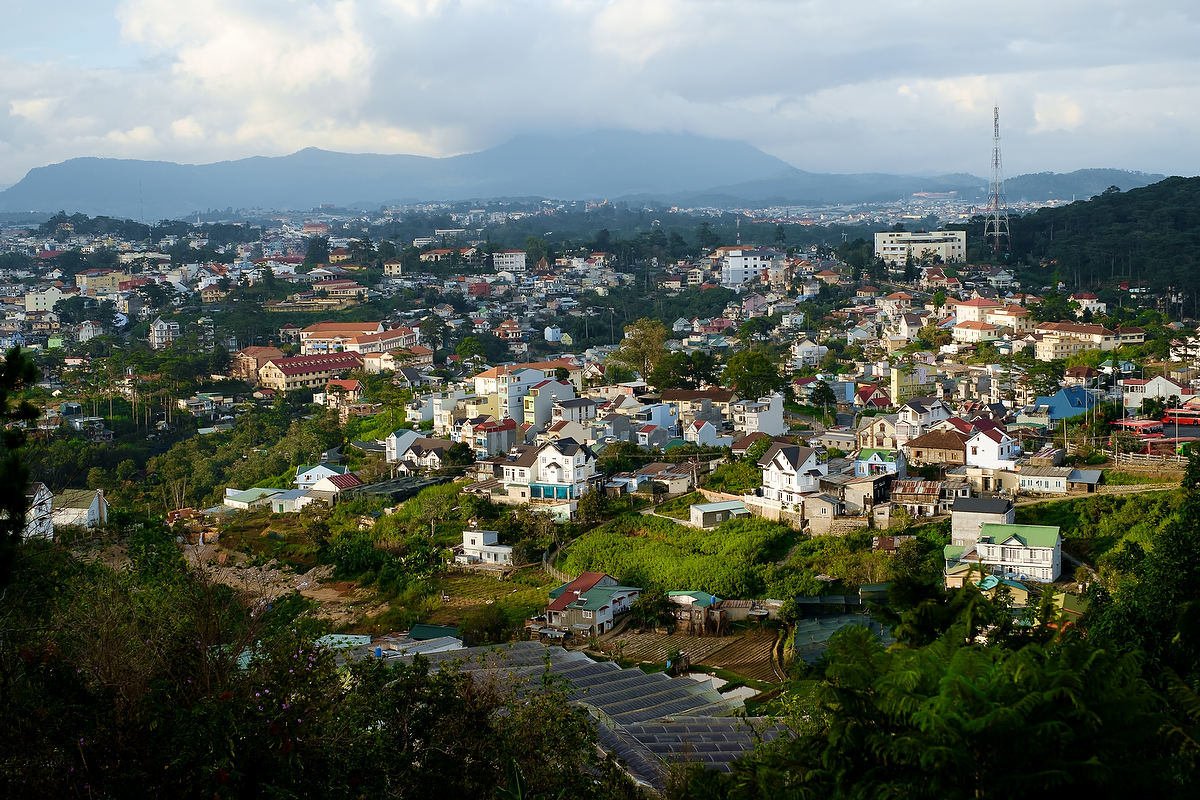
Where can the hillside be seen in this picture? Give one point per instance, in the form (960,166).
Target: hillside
(1148,236)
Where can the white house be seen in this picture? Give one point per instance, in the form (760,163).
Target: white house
(39,522)
(482,547)
(86,508)
(162,333)
(790,471)
(397,443)
(308,475)
(1029,552)
(701,432)
(918,415)
(807,353)
(764,415)
(1136,390)
(565,470)
(992,449)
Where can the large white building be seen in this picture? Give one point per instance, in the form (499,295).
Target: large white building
(739,267)
(509,261)
(894,247)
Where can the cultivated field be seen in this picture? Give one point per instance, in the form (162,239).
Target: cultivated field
(747,654)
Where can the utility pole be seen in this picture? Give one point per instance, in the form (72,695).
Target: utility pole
(995,230)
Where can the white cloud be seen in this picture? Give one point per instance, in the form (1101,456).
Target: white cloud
(884,85)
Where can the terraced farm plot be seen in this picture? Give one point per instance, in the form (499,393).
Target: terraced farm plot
(467,591)
(747,654)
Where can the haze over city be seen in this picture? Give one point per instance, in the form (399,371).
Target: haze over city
(896,87)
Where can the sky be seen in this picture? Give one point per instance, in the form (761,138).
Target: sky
(905,86)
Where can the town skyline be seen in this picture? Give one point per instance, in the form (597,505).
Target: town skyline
(887,91)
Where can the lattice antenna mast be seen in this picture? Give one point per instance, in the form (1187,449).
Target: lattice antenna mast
(995,231)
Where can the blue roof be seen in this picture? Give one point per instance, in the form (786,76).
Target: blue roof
(1067,402)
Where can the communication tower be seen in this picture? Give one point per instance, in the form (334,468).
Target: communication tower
(995,231)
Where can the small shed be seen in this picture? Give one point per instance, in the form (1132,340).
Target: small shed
(710,515)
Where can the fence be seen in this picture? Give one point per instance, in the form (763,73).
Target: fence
(548,558)
(1151,458)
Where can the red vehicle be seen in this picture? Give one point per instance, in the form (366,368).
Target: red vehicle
(1181,416)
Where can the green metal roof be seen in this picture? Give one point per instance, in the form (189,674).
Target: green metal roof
(953,552)
(423,631)
(1028,535)
(884,455)
(703,599)
(598,597)
(252,494)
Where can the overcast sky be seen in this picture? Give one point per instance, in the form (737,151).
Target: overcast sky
(900,86)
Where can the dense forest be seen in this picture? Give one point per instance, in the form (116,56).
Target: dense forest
(1149,237)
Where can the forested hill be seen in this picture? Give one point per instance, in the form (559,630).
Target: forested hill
(1148,236)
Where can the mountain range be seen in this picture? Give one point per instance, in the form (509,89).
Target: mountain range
(659,167)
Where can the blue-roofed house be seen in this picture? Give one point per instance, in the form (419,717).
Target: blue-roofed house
(1067,402)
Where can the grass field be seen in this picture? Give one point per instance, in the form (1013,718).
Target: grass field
(519,597)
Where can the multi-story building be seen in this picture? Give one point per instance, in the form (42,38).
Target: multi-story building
(1060,340)
(162,333)
(739,267)
(1026,552)
(540,399)
(789,472)
(509,261)
(970,514)
(764,415)
(896,247)
(305,372)
(332,337)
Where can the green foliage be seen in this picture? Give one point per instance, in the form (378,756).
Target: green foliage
(17,375)
(651,552)
(738,477)
(753,373)
(642,348)
(118,686)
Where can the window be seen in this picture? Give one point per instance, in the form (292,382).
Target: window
(586,614)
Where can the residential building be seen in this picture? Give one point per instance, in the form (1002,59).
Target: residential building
(764,415)
(307,475)
(162,333)
(1026,552)
(880,462)
(509,261)
(878,433)
(589,604)
(39,518)
(969,514)
(247,361)
(483,547)
(790,471)
(305,372)
(918,415)
(992,449)
(85,508)
(739,267)
(941,447)
(537,405)
(331,337)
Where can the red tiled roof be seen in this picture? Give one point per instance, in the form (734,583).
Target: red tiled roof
(581,584)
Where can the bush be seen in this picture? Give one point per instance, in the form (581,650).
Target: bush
(732,561)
